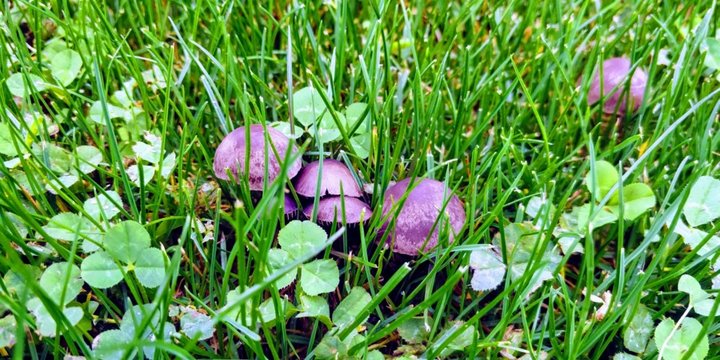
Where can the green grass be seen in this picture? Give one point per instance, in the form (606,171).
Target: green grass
(482,95)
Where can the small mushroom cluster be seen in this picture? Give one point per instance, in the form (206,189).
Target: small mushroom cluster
(424,207)
(334,183)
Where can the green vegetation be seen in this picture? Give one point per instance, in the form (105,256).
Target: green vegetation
(589,234)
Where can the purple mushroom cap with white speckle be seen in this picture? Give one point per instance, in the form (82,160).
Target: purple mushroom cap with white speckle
(615,76)
(334,176)
(330,209)
(419,213)
(231,155)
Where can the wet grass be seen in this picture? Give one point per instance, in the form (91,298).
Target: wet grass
(481,95)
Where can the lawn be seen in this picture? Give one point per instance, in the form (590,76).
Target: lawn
(482,179)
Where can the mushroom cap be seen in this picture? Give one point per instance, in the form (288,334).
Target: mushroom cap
(615,74)
(418,214)
(230,154)
(355,210)
(334,175)
(290,205)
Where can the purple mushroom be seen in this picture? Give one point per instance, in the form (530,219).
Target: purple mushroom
(290,205)
(419,213)
(330,209)
(334,176)
(615,76)
(231,155)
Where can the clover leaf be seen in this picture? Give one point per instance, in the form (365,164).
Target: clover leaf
(638,330)
(319,277)
(7,146)
(89,157)
(99,270)
(126,240)
(361,145)
(265,313)
(71,227)
(625,356)
(351,307)
(167,165)
(114,112)
(693,237)
(105,206)
(196,325)
(284,127)
(16,84)
(136,316)
(488,267)
(308,105)
(703,203)
(111,345)
(150,267)
(147,174)
(326,130)
(700,300)
(606,176)
(127,243)
(675,344)
(62,283)
(53,282)
(637,199)
(461,341)
(354,117)
(8,327)
(277,259)
(65,66)
(415,330)
(315,306)
(520,242)
(15,283)
(712,53)
(149,151)
(298,238)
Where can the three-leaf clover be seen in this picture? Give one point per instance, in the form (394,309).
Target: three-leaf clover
(297,239)
(127,248)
